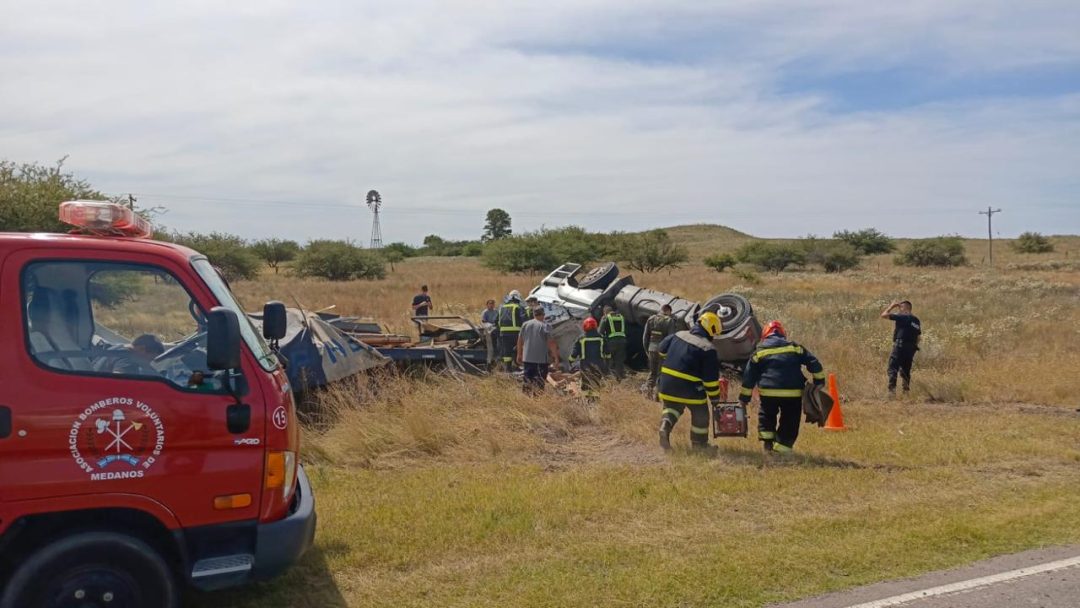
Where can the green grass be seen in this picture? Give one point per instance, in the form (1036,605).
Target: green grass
(446,493)
(907,489)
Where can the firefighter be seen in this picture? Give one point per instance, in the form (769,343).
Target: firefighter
(590,353)
(511,318)
(776,369)
(689,377)
(658,327)
(613,330)
(906,335)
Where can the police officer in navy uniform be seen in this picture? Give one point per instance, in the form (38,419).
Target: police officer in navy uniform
(689,378)
(776,369)
(421,302)
(906,335)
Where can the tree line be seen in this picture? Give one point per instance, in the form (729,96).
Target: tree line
(30,192)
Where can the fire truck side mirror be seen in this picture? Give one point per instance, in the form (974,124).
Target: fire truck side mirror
(222,339)
(274,321)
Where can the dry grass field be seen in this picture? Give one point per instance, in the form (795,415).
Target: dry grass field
(444,492)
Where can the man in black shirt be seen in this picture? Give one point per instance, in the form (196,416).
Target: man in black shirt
(421,303)
(905,342)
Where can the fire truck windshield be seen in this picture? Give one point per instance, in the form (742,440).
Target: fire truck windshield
(225,297)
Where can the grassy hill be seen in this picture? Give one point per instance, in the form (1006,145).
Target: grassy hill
(705,239)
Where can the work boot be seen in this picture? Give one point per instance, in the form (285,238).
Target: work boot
(665,435)
(780,448)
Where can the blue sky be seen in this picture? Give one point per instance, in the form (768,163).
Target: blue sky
(776,118)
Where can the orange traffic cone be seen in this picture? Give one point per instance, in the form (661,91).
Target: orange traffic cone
(836,417)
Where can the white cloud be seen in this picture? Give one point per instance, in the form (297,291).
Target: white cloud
(617,115)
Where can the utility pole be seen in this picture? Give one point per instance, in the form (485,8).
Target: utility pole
(989,213)
(131,201)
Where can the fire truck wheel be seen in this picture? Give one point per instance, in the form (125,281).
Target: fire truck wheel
(92,570)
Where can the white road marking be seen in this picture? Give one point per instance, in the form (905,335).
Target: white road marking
(974,583)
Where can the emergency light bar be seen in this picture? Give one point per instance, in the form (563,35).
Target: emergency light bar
(100,217)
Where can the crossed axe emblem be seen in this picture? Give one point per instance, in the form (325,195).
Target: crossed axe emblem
(117,433)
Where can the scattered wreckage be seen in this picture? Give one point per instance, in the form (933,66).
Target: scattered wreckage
(322,347)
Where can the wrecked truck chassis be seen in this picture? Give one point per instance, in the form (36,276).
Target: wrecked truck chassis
(568,301)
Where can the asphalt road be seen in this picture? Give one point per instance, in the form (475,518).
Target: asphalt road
(1044,578)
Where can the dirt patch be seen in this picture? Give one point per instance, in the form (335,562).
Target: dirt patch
(596,445)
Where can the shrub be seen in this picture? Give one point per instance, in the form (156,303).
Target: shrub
(575,244)
(391,256)
(546,249)
(746,273)
(770,256)
(228,252)
(831,255)
(526,253)
(406,250)
(867,241)
(942,251)
(472,249)
(339,261)
(838,257)
(1032,242)
(275,251)
(653,251)
(435,245)
(720,261)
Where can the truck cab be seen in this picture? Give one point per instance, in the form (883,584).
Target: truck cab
(148,433)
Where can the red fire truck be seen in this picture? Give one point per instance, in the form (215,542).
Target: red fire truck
(148,435)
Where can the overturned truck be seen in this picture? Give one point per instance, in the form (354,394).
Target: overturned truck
(568,300)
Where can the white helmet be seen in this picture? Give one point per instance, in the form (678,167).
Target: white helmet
(514,295)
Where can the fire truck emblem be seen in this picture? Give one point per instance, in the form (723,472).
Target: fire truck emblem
(116,438)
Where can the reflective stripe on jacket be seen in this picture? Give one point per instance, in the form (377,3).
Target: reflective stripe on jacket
(589,349)
(690,372)
(511,317)
(613,326)
(776,369)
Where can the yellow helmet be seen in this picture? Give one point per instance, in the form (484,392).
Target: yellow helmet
(710,322)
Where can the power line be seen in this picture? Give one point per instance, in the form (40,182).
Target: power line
(989,213)
(728,212)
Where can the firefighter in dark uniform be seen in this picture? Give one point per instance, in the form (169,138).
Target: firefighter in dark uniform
(905,342)
(776,369)
(689,377)
(590,353)
(658,327)
(511,318)
(613,330)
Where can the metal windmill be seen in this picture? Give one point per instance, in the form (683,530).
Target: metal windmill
(374,202)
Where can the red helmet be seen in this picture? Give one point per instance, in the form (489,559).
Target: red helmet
(774,327)
(589,324)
